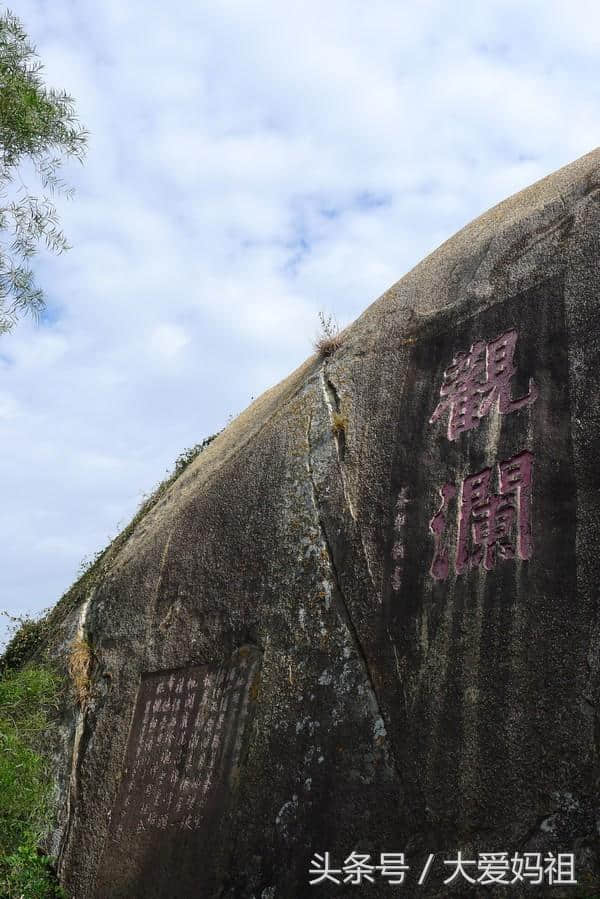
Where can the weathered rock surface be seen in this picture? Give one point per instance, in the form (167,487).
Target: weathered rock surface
(308,645)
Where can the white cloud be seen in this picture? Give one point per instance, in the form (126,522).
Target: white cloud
(168,341)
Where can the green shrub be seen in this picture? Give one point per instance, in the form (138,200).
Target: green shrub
(27,698)
(191,453)
(29,875)
(28,636)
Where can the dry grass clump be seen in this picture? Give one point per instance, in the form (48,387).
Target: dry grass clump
(80,667)
(339,422)
(329,338)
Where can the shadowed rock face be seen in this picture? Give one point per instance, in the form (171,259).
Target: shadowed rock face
(383,639)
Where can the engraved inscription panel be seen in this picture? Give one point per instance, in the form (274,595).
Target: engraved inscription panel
(181,758)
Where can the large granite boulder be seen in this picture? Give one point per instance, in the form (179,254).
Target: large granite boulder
(365,619)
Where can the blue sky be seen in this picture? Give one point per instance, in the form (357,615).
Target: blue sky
(249,164)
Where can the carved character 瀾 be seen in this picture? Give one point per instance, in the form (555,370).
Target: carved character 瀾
(491,526)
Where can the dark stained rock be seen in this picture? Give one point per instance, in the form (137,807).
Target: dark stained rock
(384,637)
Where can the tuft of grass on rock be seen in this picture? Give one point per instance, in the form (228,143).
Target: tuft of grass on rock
(339,423)
(329,338)
(80,667)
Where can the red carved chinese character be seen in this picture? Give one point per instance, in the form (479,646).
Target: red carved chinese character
(477,380)
(440,565)
(515,479)
(485,518)
(487,521)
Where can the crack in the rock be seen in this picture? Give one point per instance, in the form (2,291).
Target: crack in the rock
(332,393)
(412,787)
(332,402)
(341,605)
(78,741)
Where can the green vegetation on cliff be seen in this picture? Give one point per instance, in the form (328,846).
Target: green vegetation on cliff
(27,698)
